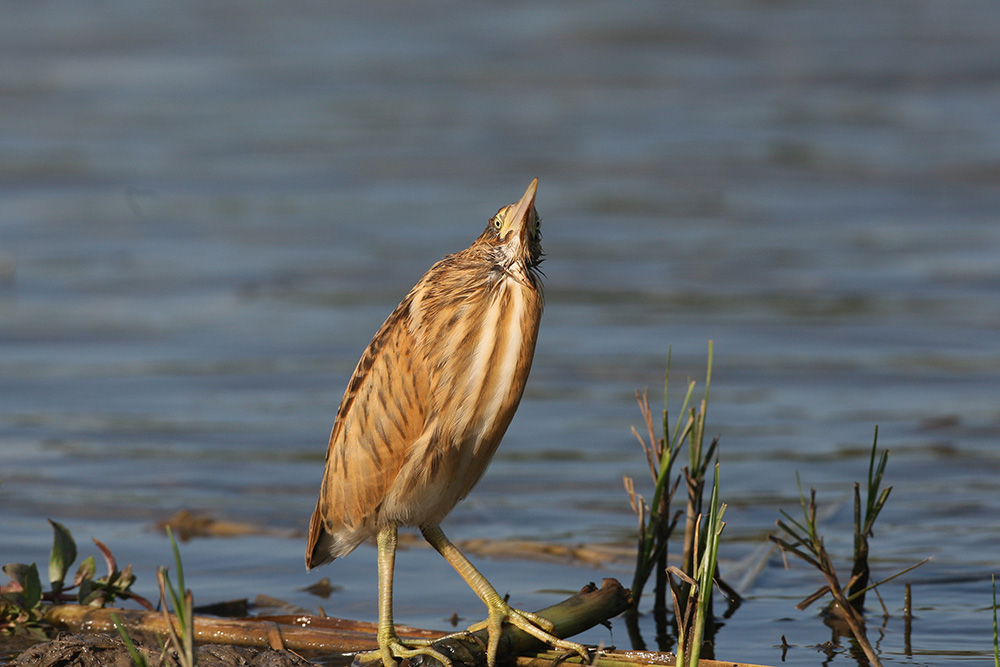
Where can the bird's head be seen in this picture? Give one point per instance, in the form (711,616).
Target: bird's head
(514,234)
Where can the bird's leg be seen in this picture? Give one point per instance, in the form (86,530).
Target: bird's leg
(499,610)
(390,646)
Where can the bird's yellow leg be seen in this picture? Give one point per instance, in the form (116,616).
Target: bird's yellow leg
(390,646)
(499,610)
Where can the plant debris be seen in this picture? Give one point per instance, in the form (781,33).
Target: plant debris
(100,650)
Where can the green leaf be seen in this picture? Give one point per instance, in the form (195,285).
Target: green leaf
(177,560)
(84,591)
(26,576)
(90,594)
(62,556)
(86,571)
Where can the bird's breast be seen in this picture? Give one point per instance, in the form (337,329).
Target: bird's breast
(486,357)
(493,363)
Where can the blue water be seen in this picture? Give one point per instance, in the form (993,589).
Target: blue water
(206,211)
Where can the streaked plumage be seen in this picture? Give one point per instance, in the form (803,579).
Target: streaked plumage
(428,403)
(431,397)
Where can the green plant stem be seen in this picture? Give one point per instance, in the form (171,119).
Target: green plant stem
(138,659)
(875,499)
(181,636)
(706,573)
(996,643)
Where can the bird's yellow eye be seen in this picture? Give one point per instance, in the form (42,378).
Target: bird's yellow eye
(497,222)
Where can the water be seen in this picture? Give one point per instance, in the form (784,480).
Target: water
(208,210)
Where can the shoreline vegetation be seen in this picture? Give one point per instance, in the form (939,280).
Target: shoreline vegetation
(685,619)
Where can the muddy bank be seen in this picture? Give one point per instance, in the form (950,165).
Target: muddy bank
(87,650)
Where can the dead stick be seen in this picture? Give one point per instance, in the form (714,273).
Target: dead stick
(574,615)
(570,617)
(622,659)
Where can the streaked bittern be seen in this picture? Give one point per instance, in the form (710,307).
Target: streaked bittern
(423,414)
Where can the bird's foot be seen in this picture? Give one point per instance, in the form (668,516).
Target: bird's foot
(541,628)
(392,647)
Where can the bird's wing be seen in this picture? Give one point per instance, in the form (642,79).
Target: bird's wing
(380,416)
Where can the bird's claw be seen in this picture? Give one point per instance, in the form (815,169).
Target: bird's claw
(533,624)
(391,648)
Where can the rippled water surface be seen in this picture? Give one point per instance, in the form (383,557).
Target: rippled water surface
(207,210)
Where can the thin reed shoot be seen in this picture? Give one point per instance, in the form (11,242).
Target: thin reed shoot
(139,658)
(181,631)
(803,540)
(692,618)
(996,643)
(658,519)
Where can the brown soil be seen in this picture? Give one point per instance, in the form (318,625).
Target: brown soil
(90,650)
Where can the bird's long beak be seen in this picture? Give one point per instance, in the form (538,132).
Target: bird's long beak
(519,220)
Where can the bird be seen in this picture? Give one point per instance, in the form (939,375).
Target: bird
(424,412)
